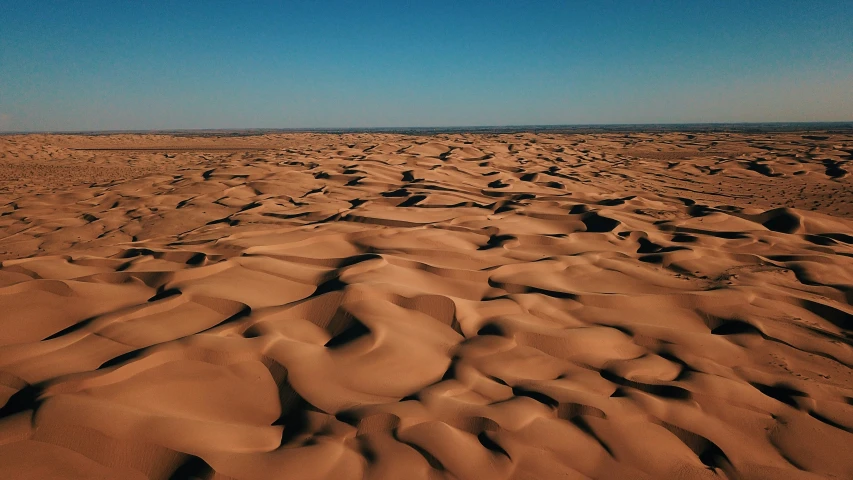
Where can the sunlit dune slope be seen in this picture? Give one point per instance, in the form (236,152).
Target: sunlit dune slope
(307,306)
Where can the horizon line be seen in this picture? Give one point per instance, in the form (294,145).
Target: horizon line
(508,128)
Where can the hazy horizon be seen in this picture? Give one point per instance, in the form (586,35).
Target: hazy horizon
(734,127)
(100,66)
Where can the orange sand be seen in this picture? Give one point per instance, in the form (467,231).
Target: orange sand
(306,306)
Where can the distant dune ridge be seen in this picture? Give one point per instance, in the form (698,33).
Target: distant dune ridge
(462,306)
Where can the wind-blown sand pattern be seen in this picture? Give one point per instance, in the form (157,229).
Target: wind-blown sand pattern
(306,306)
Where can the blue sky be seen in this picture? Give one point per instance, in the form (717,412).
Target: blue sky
(88,65)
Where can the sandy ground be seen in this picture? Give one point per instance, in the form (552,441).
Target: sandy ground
(306,306)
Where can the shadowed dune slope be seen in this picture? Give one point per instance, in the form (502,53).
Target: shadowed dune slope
(307,306)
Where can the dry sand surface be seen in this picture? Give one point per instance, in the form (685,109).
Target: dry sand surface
(514,306)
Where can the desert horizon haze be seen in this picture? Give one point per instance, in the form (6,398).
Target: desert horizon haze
(310,240)
(107,65)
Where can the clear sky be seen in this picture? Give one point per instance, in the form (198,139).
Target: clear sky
(103,65)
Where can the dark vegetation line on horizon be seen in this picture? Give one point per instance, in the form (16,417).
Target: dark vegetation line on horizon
(732,127)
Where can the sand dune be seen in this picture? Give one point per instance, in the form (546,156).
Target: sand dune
(514,306)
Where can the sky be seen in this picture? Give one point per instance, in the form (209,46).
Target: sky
(134,65)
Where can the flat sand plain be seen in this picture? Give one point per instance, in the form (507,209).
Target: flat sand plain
(493,306)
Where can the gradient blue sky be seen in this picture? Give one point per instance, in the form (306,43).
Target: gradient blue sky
(99,65)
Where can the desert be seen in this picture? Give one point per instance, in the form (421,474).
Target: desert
(507,305)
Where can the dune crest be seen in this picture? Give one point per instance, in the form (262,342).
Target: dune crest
(311,306)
